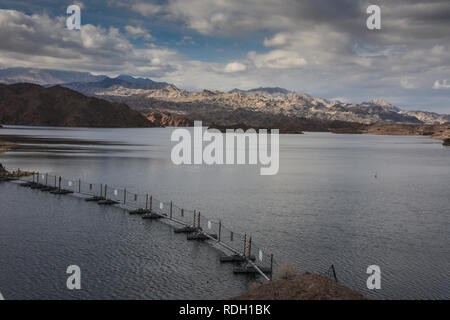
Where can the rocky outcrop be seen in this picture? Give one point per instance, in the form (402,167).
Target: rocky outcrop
(441,132)
(30,104)
(6,175)
(402,129)
(3,171)
(305,286)
(434,131)
(161,119)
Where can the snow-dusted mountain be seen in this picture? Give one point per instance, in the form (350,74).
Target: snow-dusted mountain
(107,84)
(270,101)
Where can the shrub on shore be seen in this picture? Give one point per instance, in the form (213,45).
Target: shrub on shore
(286,271)
(14,174)
(305,286)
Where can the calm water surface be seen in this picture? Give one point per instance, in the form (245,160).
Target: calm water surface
(324,207)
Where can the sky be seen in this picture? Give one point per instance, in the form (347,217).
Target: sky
(319,47)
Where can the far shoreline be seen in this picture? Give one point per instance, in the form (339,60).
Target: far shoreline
(438,131)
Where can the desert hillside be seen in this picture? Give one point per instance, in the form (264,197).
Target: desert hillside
(31,104)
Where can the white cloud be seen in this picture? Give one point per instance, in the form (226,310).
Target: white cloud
(407,84)
(232,16)
(278,40)
(146,9)
(41,41)
(277,59)
(441,85)
(341,99)
(186,40)
(235,67)
(80,4)
(318,45)
(138,32)
(407,21)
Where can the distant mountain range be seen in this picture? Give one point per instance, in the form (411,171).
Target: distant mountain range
(258,107)
(45,76)
(122,81)
(265,92)
(224,107)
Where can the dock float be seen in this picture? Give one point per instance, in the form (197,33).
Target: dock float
(201,236)
(185,230)
(61,191)
(38,186)
(6,179)
(152,216)
(107,202)
(94,199)
(27,184)
(139,211)
(235,258)
(249,269)
(48,189)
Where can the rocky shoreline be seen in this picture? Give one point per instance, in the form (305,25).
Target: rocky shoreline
(434,131)
(305,286)
(4,173)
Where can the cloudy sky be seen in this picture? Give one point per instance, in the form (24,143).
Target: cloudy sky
(319,47)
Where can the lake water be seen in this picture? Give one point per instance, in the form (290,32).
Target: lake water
(325,206)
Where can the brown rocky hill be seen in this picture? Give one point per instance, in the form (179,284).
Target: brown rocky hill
(31,104)
(167,119)
(305,286)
